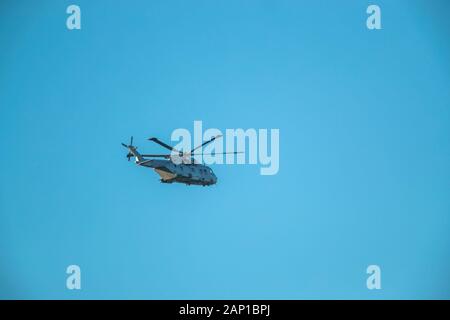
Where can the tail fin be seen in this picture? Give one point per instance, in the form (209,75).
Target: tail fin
(133,153)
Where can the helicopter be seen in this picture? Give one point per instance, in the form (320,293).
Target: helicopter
(178,166)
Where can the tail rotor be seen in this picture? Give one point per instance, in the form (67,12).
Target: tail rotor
(130,146)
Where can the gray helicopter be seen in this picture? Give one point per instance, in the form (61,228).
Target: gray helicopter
(178,166)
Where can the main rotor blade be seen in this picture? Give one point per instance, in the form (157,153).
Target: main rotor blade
(156,155)
(198,154)
(163,144)
(124,145)
(206,142)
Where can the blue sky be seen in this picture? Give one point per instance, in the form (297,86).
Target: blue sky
(364,149)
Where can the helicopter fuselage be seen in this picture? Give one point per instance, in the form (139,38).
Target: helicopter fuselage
(194,173)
